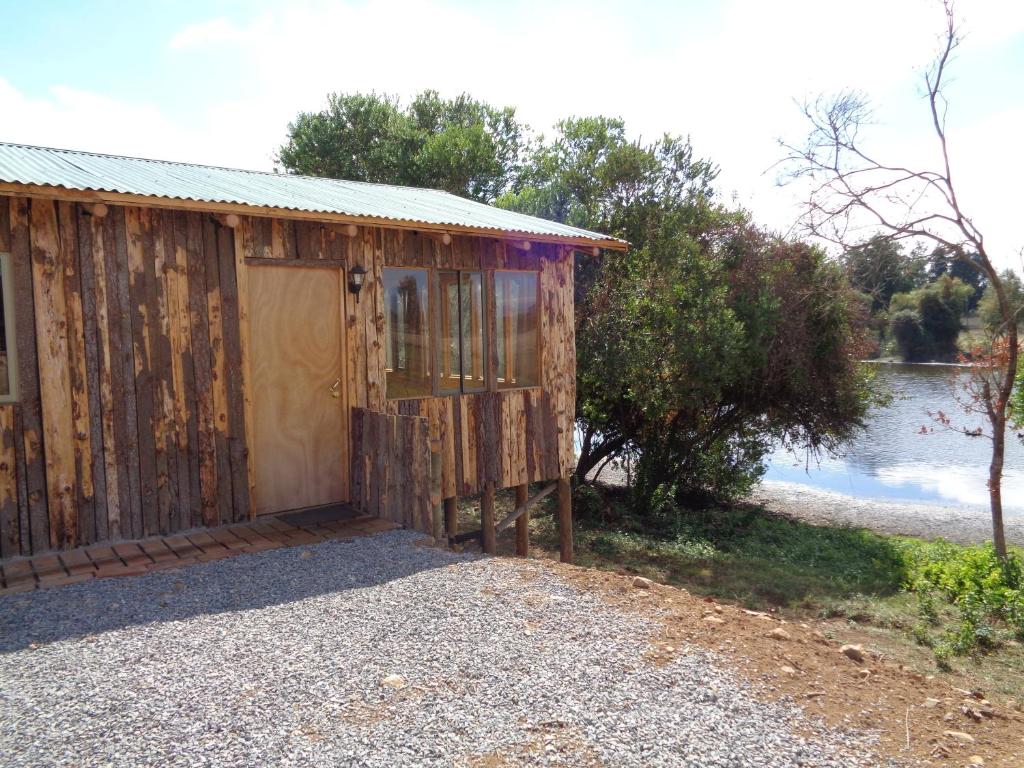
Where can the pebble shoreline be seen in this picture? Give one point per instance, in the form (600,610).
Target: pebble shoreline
(962,525)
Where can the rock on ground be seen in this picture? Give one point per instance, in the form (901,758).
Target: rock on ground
(373,652)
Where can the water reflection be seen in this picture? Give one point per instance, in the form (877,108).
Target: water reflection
(892,459)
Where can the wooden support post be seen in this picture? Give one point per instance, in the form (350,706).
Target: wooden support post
(487,519)
(565,518)
(436,513)
(451,516)
(522,522)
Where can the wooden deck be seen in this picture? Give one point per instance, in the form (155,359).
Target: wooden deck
(132,558)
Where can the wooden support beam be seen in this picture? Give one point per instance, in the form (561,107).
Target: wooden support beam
(522,507)
(259,261)
(490,543)
(436,510)
(523,521)
(565,518)
(451,517)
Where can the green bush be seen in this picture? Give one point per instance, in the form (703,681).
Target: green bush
(926,321)
(988,593)
(906,330)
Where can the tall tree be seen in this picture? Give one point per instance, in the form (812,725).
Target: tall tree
(879,268)
(850,187)
(943,261)
(710,339)
(461,145)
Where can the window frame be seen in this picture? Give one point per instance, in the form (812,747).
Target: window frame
(489,328)
(540,336)
(440,349)
(431,330)
(11,337)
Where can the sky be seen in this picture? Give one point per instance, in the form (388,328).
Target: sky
(217,81)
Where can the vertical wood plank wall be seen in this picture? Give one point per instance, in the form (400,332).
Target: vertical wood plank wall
(129,328)
(505,437)
(129,419)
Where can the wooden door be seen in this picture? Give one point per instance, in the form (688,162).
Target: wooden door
(298,398)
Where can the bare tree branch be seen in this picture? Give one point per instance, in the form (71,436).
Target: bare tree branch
(850,192)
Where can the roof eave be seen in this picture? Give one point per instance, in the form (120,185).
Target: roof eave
(8,188)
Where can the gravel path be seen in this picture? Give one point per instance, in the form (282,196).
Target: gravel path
(929,521)
(287,657)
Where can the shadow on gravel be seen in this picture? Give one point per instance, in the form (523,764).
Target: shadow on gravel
(244,583)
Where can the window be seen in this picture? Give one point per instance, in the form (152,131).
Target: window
(438,336)
(8,362)
(407,333)
(515,309)
(462,361)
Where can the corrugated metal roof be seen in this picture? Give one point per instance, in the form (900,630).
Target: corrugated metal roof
(87,171)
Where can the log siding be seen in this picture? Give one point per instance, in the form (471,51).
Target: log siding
(133,411)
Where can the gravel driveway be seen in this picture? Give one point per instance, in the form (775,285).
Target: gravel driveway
(374,652)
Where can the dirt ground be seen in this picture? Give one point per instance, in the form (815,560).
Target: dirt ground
(920,720)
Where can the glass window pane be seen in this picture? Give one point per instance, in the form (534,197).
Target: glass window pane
(474,368)
(406,332)
(448,353)
(515,301)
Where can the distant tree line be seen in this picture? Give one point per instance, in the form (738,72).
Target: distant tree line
(918,301)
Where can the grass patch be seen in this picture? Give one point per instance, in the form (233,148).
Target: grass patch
(937,600)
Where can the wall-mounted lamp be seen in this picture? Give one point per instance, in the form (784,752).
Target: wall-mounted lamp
(446,239)
(356,276)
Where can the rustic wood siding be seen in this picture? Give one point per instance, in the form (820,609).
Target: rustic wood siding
(128,421)
(134,410)
(506,438)
(391,467)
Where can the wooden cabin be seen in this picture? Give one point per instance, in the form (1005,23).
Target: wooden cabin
(186,347)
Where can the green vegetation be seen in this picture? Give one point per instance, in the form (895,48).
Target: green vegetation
(707,342)
(917,303)
(463,146)
(927,321)
(958,601)
(988,307)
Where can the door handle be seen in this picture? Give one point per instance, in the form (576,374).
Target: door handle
(334,389)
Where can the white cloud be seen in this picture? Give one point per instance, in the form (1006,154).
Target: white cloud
(214,31)
(726,75)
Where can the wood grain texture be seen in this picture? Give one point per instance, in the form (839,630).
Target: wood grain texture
(33,510)
(137,410)
(10,535)
(390,467)
(99,257)
(52,322)
(296,359)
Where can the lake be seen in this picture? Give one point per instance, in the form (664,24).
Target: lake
(892,459)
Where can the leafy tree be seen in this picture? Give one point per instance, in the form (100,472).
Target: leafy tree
(710,339)
(939,308)
(906,330)
(988,308)
(463,146)
(879,268)
(698,348)
(944,260)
